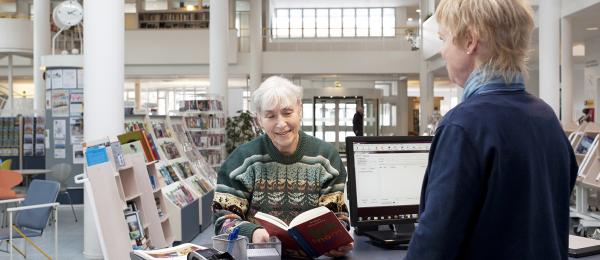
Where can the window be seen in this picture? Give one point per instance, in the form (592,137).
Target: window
(333,22)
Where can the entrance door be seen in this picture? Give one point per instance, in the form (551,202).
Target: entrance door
(332,119)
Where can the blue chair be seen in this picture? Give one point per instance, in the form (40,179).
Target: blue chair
(32,216)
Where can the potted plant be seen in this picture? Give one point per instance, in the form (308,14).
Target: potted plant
(241,129)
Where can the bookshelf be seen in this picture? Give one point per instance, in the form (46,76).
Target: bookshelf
(204,122)
(174,19)
(183,210)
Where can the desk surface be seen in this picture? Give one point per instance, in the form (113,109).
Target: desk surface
(363,248)
(34,171)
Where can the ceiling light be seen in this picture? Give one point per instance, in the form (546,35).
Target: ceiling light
(410,19)
(592,28)
(418,10)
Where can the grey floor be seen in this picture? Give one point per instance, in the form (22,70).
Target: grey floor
(70,237)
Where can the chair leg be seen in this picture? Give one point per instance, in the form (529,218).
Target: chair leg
(71,202)
(28,240)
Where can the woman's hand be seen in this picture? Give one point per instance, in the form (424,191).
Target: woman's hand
(341,251)
(260,236)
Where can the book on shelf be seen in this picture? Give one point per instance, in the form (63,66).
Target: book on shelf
(146,143)
(184,167)
(169,148)
(166,175)
(178,194)
(136,230)
(118,156)
(316,231)
(96,155)
(158,206)
(179,252)
(131,206)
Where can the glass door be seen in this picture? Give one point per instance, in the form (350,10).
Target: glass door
(332,119)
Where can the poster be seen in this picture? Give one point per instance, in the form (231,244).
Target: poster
(56,76)
(76,104)
(60,103)
(60,151)
(69,78)
(80,79)
(60,130)
(77,154)
(76,124)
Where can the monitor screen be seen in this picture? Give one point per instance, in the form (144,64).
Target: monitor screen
(385,175)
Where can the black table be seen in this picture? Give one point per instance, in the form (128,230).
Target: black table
(363,248)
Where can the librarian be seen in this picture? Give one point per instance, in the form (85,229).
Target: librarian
(283,172)
(501,169)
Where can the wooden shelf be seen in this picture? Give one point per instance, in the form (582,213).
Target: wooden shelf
(206,129)
(164,217)
(133,196)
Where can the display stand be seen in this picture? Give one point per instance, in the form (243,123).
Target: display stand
(112,189)
(183,215)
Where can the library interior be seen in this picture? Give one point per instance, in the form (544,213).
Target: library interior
(278,129)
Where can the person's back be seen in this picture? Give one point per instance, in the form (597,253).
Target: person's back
(524,172)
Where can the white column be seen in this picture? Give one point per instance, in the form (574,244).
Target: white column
(256,44)
(218,43)
(425,97)
(402,107)
(549,40)
(11,96)
(41,47)
(566,107)
(138,95)
(104,45)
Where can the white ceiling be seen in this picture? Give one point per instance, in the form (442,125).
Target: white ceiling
(342,3)
(589,17)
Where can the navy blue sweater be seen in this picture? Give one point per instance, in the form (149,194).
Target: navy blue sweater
(497,186)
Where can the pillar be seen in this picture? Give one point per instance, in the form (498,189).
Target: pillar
(566,43)
(104,45)
(218,44)
(549,40)
(402,114)
(41,47)
(256,41)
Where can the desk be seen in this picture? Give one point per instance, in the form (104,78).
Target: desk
(28,173)
(363,249)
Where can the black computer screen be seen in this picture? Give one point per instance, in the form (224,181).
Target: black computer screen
(385,176)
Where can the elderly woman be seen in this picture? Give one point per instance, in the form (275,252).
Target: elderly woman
(283,173)
(500,168)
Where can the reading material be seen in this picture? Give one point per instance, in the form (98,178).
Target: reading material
(582,246)
(179,252)
(315,231)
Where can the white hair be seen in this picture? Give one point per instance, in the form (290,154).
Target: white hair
(276,92)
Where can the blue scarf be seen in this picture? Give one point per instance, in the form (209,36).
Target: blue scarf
(476,84)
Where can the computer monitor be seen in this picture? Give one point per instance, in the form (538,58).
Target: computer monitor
(385,176)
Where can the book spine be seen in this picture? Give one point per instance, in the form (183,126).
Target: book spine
(303,243)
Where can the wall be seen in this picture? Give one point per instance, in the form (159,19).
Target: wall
(150,47)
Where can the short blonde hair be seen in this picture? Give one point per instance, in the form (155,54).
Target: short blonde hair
(276,92)
(504,26)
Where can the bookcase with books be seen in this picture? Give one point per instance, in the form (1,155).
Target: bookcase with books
(205,122)
(174,19)
(586,197)
(123,200)
(176,165)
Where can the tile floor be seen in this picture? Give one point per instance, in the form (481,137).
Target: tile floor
(70,237)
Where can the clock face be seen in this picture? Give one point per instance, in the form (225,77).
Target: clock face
(68,13)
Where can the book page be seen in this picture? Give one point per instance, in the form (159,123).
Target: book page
(308,215)
(271,219)
(178,252)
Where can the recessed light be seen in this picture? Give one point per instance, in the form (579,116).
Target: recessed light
(410,19)
(418,10)
(592,28)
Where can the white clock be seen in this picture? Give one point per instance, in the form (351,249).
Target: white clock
(67,14)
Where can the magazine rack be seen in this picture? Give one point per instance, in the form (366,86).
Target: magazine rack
(183,218)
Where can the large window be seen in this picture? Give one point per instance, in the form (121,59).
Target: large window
(333,22)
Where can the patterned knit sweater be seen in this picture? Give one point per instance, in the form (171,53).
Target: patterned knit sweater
(257,177)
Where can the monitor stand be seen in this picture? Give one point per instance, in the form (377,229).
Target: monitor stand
(399,236)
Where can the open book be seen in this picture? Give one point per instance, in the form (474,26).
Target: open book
(179,252)
(582,246)
(316,231)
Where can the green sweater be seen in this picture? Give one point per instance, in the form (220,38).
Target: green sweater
(257,177)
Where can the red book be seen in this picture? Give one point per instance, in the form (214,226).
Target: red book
(316,231)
